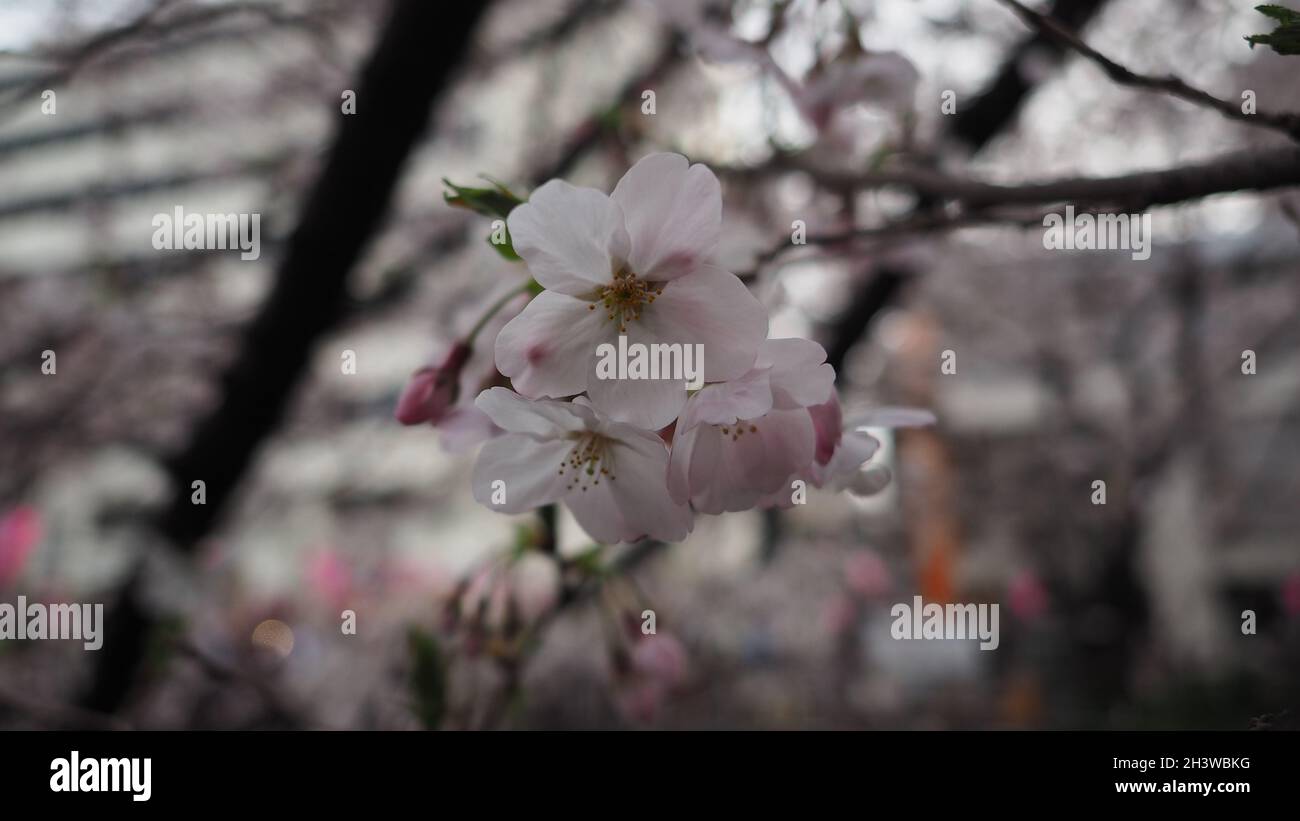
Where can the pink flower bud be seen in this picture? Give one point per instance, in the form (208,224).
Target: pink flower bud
(432,391)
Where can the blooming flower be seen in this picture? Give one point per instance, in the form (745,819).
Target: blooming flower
(738,441)
(609,474)
(636,263)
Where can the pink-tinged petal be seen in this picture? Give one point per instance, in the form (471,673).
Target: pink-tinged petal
(714,471)
(828,425)
(550,348)
(782,444)
(527,467)
(894,418)
(540,418)
(723,403)
(573,239)
(673,212)
(800,376)
(713,308)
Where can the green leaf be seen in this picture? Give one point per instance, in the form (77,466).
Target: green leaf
(505,248)
(1282,14)
(497,201)
(1285,39)
(428,678)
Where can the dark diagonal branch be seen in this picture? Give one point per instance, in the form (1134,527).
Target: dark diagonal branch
(413,60)
(1286,123)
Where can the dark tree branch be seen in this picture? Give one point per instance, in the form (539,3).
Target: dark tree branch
(414,59)
(997,105)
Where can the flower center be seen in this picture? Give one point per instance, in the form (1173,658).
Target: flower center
(625,296)
(588,460)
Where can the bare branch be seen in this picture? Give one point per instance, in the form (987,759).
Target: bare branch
(1288,124)
(983,203)
(1238,171)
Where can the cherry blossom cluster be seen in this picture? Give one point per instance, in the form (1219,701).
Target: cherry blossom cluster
(640,458)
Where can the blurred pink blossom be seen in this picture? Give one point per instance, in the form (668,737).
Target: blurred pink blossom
(866,574)
(1291,595)
(329,576)
(839,614)
(658,666)
(1026,596)
(20,532)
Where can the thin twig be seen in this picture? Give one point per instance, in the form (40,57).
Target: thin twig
(1286,123)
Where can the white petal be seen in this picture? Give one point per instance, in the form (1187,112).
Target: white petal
(870,481)
(711,307)
(640,463)
(465,428)
(853,451)
(799,376)
(549,349)
(527,467)
(646,403)
(540,418)
(673,212)
(572,238)
(599,515)
(679,463)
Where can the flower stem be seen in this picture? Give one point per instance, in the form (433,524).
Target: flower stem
(494,308)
